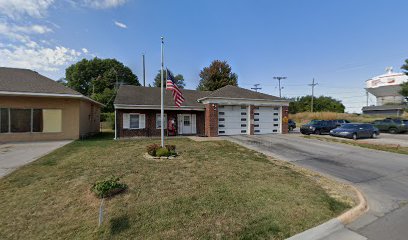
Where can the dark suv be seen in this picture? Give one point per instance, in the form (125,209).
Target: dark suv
(291,125)
(391,125)
(318,127)
(340,122)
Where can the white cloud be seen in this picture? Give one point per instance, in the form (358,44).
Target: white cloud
(102,4)
(17,8)
(21,33)
(84,50)
(119,24)
(37,57)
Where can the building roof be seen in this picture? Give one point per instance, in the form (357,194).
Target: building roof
(129,95)
(150,96)
(385,107)
(240,93)
(25,82)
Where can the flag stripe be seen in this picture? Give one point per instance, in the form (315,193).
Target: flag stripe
(171,85)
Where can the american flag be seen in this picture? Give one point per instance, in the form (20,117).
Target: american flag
(171,85)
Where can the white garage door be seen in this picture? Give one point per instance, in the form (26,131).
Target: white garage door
(232,120)
(267,120)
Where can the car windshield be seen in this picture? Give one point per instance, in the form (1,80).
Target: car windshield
(350,126)
(315,121)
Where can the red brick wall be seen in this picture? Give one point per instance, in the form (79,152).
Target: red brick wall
(285,118)
(211,120)
(251,119)
(150,119)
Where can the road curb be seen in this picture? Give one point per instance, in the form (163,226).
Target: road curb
(335,224)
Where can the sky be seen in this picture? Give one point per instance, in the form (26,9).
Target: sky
(339,43)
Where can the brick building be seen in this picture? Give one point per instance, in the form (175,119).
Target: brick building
(227,111)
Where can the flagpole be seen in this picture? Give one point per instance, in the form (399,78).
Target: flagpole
(161,91)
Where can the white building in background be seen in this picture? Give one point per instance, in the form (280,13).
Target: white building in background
(385,88)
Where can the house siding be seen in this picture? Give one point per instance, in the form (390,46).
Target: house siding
(150,122)
(89,123)
(211,120)
(70,117)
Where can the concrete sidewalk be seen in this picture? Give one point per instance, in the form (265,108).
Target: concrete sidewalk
(15,155)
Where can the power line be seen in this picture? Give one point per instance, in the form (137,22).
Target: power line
(279,80)
(256,88)
(313,86)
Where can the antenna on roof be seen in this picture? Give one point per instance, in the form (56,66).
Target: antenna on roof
(256,88)
(389,69)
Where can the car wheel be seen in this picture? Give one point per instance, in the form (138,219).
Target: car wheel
(374,135)
(355,137)
(290,128)
(317,132)
(392,130)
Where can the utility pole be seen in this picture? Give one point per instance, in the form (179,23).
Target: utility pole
(279,80)
(367,99)
(256,88)
(144,71)
(312,85)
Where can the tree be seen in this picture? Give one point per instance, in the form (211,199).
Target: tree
(320,104)
(179,79)
(97,78)
(404,86)
(216,76)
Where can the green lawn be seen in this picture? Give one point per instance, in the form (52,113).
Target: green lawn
(382,147)
(214,190)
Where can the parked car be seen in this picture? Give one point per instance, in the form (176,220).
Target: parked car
(391,125)
(339,122)
(318,127)
(355,131)
(291,125)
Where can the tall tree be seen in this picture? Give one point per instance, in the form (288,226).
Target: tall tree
(216,76)
(178,78)
(320,104)
(97,78)
(404,86)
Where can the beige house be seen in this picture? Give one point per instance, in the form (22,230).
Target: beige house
(36,108)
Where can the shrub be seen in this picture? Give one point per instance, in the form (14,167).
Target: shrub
(163,152)
(171,148)
(152,149)
(109,187)
(109,118)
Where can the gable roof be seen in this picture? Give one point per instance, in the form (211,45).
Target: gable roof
(25,82)
(234,92)
(150,96)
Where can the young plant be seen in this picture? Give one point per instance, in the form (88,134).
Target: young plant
(109,187)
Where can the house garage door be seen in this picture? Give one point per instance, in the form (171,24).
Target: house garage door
(267,120)
(232,120)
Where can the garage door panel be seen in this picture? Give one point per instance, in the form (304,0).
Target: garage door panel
(266,120)
(232,120)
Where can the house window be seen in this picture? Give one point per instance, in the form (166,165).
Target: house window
(221,125)
(243,131)
(256,119)
(275,125)
(30,120)
(275,114)
(158,122)
(134,121)
(186,121)
(243,113)
(257,131)
(275,130)
(221,119)
(256,114)
(276,119)
(276,108)
(243,107)
(4,120)
(256,125)
(220,132)
(243,125)
(243,119)
(221,113)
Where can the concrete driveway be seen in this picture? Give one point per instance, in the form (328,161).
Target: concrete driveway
(382,177)
(15,155)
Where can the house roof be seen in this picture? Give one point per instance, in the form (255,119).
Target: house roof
(25,82)
(239,93)
(150,96)
(135,96)
(385,107)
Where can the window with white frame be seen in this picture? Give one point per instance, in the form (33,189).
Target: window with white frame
(134,121)
(158,121)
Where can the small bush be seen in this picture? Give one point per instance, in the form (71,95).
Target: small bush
(109,187)
(171,148)
(152,149)
(162,152)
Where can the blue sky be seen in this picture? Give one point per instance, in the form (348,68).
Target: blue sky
(340,43)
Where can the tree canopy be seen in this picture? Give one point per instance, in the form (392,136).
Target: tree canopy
(404,90)
(216,76)
(178,78)
(320,104)
(97,79)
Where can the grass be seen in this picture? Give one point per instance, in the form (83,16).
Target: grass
(214,190)
(382,147)
(305,117)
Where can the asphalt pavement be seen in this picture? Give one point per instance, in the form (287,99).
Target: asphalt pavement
(381,176)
